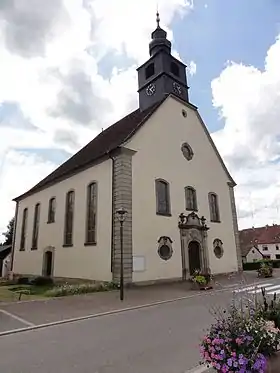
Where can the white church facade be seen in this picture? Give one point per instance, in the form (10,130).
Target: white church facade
(160,164)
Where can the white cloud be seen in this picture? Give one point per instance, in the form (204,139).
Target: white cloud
(49,56)
(191,69)
(249,101)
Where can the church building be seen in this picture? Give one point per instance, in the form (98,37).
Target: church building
(156,173)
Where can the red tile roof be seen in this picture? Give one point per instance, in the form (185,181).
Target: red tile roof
(269,234)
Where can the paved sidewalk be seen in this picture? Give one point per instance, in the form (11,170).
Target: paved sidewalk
(52,310)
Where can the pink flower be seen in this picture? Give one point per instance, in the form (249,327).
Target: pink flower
(233,354)
(239,341)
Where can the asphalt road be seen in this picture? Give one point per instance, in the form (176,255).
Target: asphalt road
(159,339)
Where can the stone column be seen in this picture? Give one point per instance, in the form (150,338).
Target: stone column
(183,253)
(122,197)
(235,226)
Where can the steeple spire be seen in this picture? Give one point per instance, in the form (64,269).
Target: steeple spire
(159,40)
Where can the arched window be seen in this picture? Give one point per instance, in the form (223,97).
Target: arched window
(69,218)
(174,68)
(35,232)
(51,212)
(23,229)
(162,197)
(214,207)
(191,200)
(150,70)
(91,213)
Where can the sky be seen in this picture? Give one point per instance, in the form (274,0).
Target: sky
(68,69)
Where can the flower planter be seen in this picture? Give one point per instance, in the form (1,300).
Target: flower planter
(196,286)
(273,364)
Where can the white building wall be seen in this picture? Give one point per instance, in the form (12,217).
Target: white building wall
(78,261)
(158,155)
(253,255)
(273,250)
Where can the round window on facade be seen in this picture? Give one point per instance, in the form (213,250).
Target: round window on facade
(165,252)
(218,251)
(187,151)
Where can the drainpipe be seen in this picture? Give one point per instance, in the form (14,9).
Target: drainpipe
(14,237)
(113,212)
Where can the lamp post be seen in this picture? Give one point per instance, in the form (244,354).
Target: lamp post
(121,214)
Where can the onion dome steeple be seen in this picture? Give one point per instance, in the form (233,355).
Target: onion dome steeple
(159,40)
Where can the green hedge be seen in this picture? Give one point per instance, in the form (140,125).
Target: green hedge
(254,266)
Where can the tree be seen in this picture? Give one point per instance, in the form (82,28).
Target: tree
(9,234)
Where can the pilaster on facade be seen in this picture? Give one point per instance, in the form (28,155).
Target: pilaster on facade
(122,198)
(235,226)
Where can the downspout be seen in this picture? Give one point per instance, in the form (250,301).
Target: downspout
(113,212)
(14,237)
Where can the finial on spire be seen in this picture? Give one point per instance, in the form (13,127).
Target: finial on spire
(158,18)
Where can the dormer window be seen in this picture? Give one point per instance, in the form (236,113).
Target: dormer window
(174,68)
(150,70)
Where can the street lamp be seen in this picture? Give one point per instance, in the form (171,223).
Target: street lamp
(121,214)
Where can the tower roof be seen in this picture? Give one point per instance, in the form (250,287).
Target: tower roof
(159,39)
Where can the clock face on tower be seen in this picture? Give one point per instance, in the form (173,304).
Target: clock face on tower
(151,89)
(177,88)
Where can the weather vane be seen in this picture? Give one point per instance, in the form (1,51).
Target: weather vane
(158,18)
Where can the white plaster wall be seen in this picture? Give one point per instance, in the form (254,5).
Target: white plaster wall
(78,261)
(253,255)
(272,250)
(158,145)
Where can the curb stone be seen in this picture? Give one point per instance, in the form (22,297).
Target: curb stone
(200,369)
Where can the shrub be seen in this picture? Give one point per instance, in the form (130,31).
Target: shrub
(265,270)
(71,289)
(254,266)
(42,281)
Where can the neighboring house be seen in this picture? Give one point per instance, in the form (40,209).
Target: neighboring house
(262,242)
(5,259)
(161,165)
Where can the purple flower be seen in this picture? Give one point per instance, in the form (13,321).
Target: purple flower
(229,362)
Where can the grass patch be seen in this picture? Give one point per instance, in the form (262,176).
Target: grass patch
(14,292)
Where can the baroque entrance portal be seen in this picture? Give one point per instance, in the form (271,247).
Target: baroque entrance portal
(194,251)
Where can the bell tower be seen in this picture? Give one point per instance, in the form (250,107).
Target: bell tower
(162,74)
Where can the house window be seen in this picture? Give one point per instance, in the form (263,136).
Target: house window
(91,213)
(51,212)
(277,256)
(214,207)
(265,248)
(162,197)
(190,196)
(35,227)
(266,256)
(150,70)
(23,229)
(277,247)
(174,68)
(69,218)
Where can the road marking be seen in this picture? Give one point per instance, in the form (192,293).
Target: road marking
(267,288)
(256,286)
(17,318)
(274,292)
